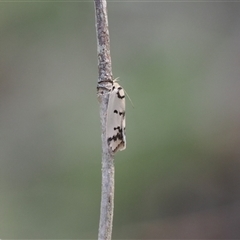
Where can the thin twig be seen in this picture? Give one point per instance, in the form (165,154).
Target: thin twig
(104,84)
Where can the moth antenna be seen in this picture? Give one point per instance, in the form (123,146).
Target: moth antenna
(116,79)
(129,98)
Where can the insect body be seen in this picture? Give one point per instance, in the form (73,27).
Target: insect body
(115,130)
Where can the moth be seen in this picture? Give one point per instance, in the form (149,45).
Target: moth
(116,120)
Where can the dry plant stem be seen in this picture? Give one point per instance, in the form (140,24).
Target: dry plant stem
(104,84)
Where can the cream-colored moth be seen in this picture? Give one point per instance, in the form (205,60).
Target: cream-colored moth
(115,129)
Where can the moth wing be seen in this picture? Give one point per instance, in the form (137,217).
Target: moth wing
(116,119)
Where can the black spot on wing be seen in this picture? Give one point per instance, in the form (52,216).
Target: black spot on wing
(120,113)
(117,128)
(117,136)
(119,91)
(119,94)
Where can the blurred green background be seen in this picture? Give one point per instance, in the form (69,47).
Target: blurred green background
(179,176)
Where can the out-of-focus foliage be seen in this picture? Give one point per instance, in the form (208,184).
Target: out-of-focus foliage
(179,176)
